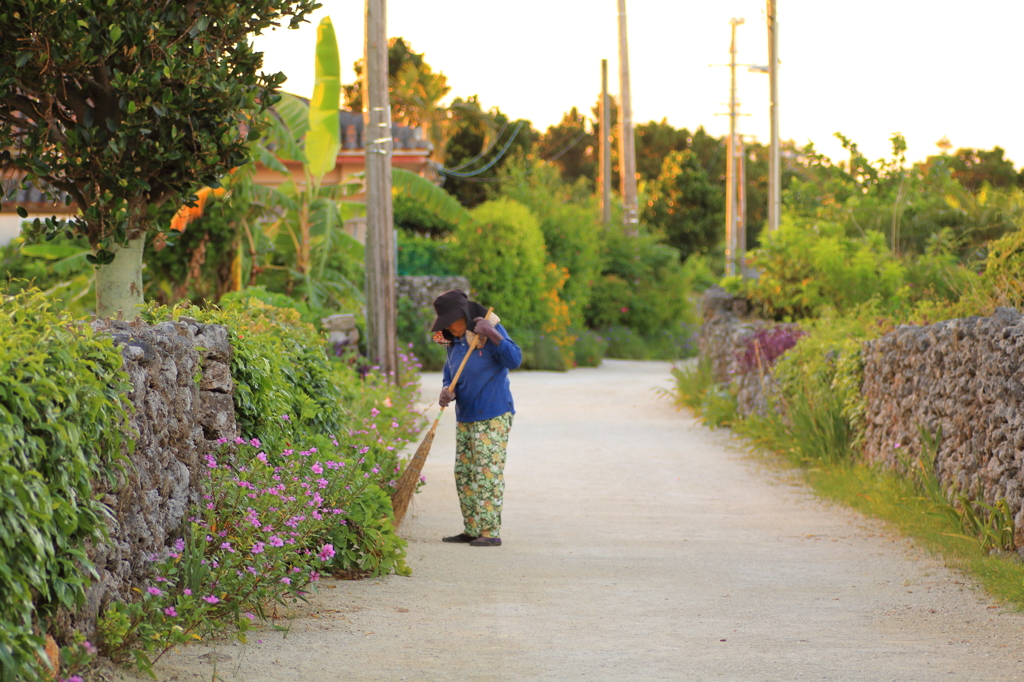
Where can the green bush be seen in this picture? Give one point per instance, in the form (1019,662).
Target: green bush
(589,348)
(624,343)
(811,270)
(414,334)
(503,255)
(643,285)
(423,256)
(285,387)
(62,425)
(568,221)
(540,351)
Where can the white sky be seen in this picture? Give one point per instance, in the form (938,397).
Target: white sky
(866,69)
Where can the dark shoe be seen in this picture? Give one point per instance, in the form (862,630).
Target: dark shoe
(461,537)
(485,542)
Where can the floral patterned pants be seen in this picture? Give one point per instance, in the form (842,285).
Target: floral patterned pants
(479,472)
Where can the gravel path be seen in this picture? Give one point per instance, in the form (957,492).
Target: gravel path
(639,545)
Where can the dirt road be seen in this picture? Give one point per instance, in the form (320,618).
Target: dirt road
(638,545)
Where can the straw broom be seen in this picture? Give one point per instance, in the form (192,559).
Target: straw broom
(406,487)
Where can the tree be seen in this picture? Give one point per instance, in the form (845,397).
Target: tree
(973,168)
(654,142)
(571,148)
(469,151)
(124,107)
(686,204)
(399,53)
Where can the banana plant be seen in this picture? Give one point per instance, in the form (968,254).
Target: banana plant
(308,232)
(312,256)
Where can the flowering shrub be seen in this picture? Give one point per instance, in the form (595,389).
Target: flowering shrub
(276,515)
(766,346)
(265,530)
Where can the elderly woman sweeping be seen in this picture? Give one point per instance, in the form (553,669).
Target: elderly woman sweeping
(483,410)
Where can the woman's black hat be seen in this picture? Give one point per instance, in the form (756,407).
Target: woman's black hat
(454,305)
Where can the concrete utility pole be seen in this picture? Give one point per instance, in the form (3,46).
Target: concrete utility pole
(775,158)
(381,308)
(732,219)
(627,144)
(605,150)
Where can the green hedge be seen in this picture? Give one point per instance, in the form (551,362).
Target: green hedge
(62,424)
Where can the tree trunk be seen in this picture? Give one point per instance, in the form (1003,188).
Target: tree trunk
(119,284)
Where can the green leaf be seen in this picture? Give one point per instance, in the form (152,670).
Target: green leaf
(22,212)
(50,251)
(432,197)
(115,32)
(324,137)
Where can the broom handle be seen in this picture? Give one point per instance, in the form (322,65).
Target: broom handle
(463,365)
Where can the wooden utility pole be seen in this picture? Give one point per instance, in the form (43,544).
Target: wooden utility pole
(605,150)
(381,308)
(774,159)
(627,146)
(731,207)
(741,204)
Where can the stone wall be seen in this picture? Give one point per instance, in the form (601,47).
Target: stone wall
(724,333)
(422,290)
(182,399)
(964,376)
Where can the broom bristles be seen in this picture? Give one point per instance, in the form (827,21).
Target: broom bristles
(406,487)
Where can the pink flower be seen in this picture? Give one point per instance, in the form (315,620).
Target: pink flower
(255,442)
(286,417)
(171,612)
(258,548)
(374,412)
(326,552)
(187,592)
(387,401)
(239,441)
(286,581)
(276,541)
(154,591)
(262,457)
(211,600)
(179,545)
(227,546)
(317,469)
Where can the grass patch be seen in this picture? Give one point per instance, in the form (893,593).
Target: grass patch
(817,439)
(898,500)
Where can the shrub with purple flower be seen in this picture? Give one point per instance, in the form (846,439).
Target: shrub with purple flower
(767,345)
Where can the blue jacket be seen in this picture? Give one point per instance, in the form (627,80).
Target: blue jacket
(483,390)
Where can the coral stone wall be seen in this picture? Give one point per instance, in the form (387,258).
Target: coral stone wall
(422,290)
(723,339)
(182,400)
(964,376)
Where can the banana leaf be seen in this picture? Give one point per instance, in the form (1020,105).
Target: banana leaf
(432,197)
(324,137)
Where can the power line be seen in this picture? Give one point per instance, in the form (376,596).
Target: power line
(489,164)
(485,152)
(551,158)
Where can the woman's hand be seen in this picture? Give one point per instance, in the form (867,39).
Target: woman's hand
(447,396)
(487,328)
